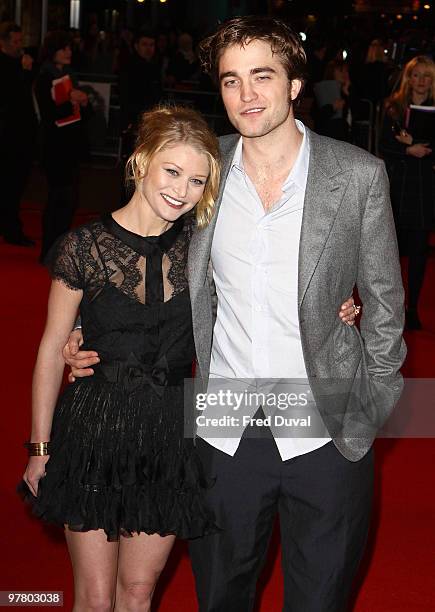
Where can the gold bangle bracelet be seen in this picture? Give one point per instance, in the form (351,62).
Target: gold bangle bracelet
(37,449)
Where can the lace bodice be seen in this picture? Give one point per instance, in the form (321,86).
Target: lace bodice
(123,314)
(103,252)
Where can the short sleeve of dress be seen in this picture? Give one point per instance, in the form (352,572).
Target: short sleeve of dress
(64,261)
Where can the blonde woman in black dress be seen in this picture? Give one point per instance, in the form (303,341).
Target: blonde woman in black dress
(109,460)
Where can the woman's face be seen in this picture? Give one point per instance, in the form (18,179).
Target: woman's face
(62,57)
(421,80)
(175,181)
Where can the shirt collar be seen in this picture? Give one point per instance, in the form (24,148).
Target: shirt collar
(298,174)
(237,158)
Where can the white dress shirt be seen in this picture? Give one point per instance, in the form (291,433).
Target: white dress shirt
(255,268)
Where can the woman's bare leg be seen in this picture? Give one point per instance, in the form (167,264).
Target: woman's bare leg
(95,562)
(141,560)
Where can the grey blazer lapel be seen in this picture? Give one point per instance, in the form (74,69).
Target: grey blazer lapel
(198,267)
(326,186)
(200,245)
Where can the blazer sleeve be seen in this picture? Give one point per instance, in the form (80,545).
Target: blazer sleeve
(379,283)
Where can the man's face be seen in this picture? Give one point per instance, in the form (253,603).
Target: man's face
(13,46)
(255,89)
(145,48)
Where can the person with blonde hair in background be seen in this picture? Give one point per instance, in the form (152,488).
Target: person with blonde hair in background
(372,81)
(410,159)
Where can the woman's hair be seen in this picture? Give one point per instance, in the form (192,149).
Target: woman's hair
(54,41)
(168,126)
(398,102)
(242,30)
(375,52)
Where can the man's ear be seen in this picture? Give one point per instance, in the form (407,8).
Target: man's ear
(295,88)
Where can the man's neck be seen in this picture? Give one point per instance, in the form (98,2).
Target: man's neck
(269,159)
(276,151)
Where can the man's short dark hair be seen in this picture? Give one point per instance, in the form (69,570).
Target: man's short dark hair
(240,31)
(144,33)
(6,29)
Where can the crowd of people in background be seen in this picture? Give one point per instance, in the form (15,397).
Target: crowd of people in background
(371,85)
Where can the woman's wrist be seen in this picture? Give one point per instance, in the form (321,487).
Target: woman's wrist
(37,449)
(39,437)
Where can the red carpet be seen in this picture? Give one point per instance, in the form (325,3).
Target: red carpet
(398,570)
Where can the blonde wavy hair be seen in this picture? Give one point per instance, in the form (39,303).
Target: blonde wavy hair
(167,126)
(398,102)
(375,52)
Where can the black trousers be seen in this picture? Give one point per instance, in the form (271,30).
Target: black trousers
(323,501)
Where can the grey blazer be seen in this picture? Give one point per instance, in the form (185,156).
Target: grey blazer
(347,239)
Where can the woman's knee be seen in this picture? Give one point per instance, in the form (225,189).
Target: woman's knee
(94,601)
(136,595)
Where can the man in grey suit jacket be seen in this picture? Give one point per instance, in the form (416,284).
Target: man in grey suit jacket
(300,220)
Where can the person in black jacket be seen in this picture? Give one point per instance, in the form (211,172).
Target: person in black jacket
(184,65)
(63,137)
(373,82)
(410,164)
(18,126)
(140,87)
(140,80)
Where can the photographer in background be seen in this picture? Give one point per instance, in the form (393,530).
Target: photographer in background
(18,125)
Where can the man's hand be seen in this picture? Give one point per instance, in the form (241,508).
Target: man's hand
(347,312)
(79,361)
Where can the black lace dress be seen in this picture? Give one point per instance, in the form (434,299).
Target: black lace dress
(119,460)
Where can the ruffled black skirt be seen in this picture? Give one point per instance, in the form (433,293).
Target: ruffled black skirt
(120,462)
